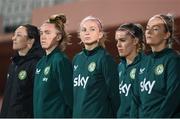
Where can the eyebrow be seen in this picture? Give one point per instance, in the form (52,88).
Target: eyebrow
(158,25)
(123,38)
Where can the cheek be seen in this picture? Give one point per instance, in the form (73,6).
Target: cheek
(22,43)
(129,48)
(155,39)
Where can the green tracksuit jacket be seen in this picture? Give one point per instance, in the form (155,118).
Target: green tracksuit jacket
(53,86)
(95,84)
(127,76)
(159,85)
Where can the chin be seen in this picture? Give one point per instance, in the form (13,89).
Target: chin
(149,43)
(121,55)
(15,48)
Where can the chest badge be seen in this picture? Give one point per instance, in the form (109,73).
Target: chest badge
(22,75)
(159,69)
(133,73)
(91,66)
(46,70)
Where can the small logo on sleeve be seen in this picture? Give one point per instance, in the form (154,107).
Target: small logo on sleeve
(22,75)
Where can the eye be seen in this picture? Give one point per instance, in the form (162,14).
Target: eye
(83,30)
(155,29)
(47,32)
(147,29)
(93,29)
(18,35)
(121,40)
(41,33)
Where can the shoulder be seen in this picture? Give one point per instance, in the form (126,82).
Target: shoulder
(77,56)
(60,57)
(172,56)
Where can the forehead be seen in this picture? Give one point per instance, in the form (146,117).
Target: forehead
(121,34)
(21,29)
(47,26)
(155,21)
(89,23)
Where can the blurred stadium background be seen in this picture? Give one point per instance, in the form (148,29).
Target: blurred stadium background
(112,13)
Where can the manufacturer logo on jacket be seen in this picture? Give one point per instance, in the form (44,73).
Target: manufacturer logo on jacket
(38,71)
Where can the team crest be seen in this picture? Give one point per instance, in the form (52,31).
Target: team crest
(22,75)
(92,66)
(133,73)
(159,69)
(46,70)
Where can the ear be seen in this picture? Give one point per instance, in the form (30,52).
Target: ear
(101,35)
(30,43)
(135,41)
(58,37)
(167,35)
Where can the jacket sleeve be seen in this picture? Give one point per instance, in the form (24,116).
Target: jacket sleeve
(171,102)
(65,81)
(110,72)
(135,102)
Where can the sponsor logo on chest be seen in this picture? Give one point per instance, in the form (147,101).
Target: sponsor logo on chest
(80,81)
(147,86)
(124,88)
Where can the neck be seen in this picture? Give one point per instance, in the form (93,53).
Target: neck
(91,47)
(23,52)
(130,58)
(158,47)
(48,51)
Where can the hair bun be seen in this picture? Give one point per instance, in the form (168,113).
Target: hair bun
(58,18)
(61,17)
(170,15)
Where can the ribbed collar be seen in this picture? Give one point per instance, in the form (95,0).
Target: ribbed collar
(161,53)
(91,52)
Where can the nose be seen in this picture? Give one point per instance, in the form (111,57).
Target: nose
(87,32)
(13,38)
(148,31)
(42,36)
(118,44)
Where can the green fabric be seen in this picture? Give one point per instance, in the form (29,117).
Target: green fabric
(95,84)
(127,76)
(53,86)
(160,85)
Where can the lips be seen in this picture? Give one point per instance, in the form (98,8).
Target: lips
(120,50)
(14,43)
(43,42)
(148,37)
(87,38)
